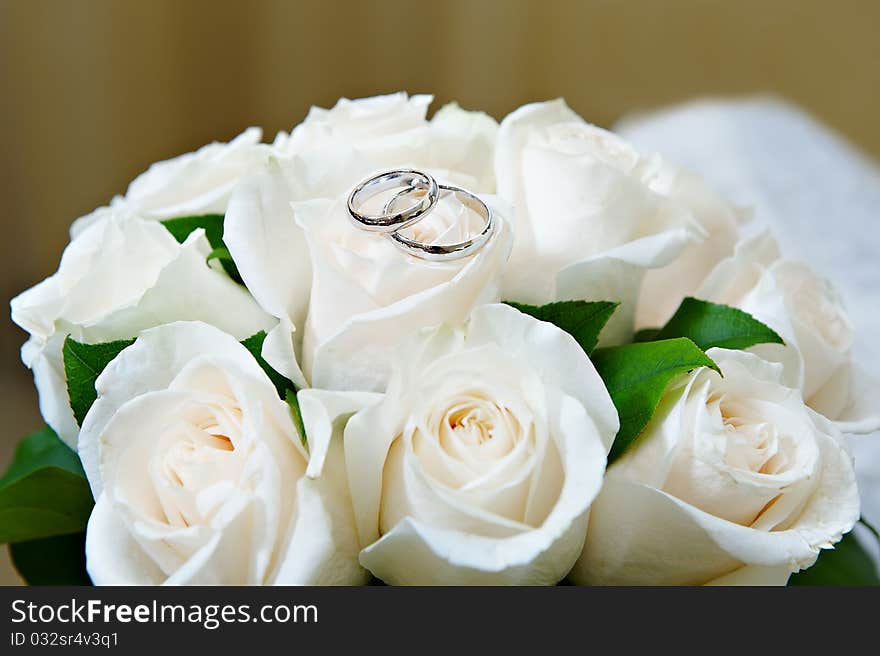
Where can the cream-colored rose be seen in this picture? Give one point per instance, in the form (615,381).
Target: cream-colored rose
(479,464)
(324,158)
(272,257)
(123,274)
(195,183)
(367,295)
(334,149)
(809,315)
(720,223)
(593,216)
(201,477)
(734,480)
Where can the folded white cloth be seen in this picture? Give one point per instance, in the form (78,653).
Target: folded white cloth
(820,195)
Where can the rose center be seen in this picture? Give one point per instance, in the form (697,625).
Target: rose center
(470,427)
(814,301)
(476,430)
(752,446)
(194,457)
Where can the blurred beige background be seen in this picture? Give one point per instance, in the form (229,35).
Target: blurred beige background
(93,91)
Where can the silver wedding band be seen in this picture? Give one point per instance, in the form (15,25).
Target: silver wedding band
(442,252)
(391,221)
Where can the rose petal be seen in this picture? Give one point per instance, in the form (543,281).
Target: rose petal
(198,182)
(321,410)
(186,290)
(323,547)
(753,575)
(351,343)
(861,414)
(151,363)
(224,560)
(272,257)
(113,557)
(642,536)
(414,552)
(617,275)
(552,353)
(47,364)
(579,193)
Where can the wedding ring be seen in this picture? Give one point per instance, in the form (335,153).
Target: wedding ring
(443,252)
(388,221)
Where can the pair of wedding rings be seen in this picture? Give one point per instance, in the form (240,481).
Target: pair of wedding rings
(423,193)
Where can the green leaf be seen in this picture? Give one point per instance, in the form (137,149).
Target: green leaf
(254,344)
(285,387)
(636,376)
(846,564)
(223,256)
(181,227)
(41,448)
(583,320)
(83,363)
(296,413)
(646,335)
(710,324)
(59,560)
(44,492)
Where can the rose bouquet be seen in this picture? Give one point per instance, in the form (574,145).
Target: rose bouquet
(625,383)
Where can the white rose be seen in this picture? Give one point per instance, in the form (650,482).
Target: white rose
(479,464)
(324,157)
(200,476)
(734,480)
(270,252)
(720,223)
(807,312)
(593,215)
(367,295)
(191,184)
(120,275)
(334,149)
